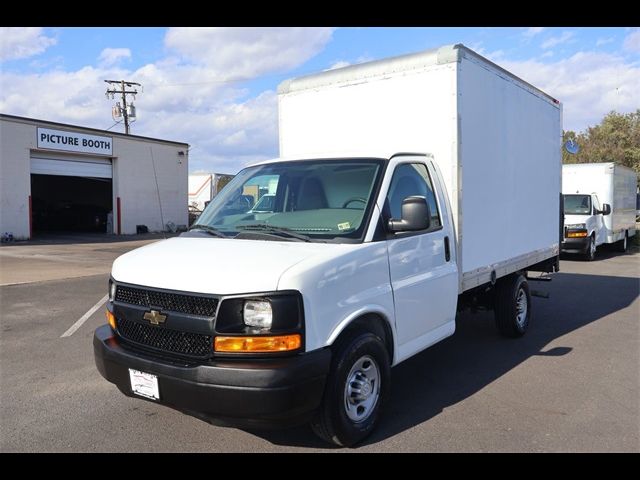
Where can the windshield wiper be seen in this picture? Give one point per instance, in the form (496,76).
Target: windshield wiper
(282,231)
(210,230)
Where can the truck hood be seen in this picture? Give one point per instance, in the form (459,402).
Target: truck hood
(573,219)
(214,265)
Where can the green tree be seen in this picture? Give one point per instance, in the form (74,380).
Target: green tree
(615,139)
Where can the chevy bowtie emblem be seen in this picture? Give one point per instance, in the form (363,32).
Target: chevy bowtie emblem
(155,317)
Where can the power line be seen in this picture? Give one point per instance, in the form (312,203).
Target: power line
(126,112)
(107,129)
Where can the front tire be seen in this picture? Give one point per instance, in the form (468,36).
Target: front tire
(590,254)
(512,306)
(357,389)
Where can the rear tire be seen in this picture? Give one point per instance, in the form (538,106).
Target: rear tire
(623,244)
(512,307)
(356,390)
(590,254)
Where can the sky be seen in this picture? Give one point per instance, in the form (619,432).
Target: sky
(215,88)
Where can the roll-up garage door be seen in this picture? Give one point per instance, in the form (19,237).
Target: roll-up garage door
(86,167)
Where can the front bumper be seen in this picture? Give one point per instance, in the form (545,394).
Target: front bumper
(269,392)
(575,245)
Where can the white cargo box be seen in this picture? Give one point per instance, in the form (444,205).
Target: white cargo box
(496,139)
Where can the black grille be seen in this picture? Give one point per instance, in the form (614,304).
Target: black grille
(165,339)
(173,302)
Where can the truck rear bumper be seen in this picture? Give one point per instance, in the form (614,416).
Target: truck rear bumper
(258,392)
(575,245)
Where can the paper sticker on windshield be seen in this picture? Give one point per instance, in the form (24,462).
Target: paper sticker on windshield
(344,226)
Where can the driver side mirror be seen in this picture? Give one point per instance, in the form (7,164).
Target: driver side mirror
(416,215)
(606,209)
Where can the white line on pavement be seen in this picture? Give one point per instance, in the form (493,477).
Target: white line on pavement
(84,318)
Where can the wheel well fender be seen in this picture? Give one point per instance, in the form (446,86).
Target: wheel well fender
(375,321)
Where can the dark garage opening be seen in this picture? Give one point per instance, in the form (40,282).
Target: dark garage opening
(70,204)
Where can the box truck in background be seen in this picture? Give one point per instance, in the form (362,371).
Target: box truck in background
(360,261)
(204,186)
(599,206)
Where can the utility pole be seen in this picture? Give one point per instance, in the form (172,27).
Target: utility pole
(127,113)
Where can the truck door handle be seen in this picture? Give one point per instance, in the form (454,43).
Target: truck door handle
(447,251)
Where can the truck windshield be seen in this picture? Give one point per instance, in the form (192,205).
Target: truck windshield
(577,204)
(319,200)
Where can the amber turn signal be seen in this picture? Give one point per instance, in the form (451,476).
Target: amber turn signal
(111,319)
(576,234)
(279,343)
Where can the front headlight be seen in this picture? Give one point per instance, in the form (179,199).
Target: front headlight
(257,313)
(577,226)
(263,323)
(112,291)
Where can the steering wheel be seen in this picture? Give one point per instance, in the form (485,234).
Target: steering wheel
(354,199)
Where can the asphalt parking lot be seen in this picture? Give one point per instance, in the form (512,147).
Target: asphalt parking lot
(572,384)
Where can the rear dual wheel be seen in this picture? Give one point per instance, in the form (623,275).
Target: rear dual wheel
(512,307)
(623,244)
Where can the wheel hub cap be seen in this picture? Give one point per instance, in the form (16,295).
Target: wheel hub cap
(362,389)
(521,307)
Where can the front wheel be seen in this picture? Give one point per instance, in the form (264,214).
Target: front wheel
(356,390)
(590,255)
(512,307)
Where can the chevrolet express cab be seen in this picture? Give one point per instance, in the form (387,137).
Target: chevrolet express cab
(298,312)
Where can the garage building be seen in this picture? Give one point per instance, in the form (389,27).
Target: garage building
(56,177)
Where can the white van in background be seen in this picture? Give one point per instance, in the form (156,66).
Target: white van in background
(599,206)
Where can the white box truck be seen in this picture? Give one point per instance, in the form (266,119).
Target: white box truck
(599,206)
(360,261)
(204,186)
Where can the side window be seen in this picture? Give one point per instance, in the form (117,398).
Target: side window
(411,179)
